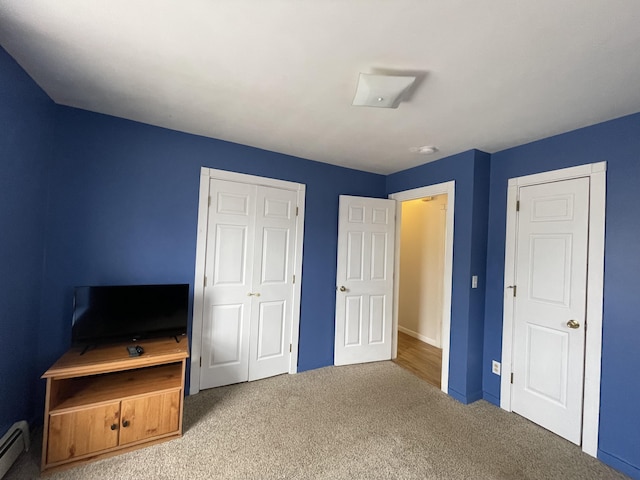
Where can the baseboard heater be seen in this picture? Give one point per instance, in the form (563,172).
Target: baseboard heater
(12,444)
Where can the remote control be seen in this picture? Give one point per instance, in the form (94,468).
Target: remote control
(135,351)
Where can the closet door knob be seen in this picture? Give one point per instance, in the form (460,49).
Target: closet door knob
(114,426)
(125,423)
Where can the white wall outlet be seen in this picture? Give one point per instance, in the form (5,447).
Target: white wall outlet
(495,367)
(474,281)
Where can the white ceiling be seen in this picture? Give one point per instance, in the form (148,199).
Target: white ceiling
(281,74)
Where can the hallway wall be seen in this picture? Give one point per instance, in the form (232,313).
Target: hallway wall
(422,268)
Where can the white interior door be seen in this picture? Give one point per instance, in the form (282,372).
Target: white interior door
(273,264)
(228,281)
(248,293)
(364,293)
(550,305)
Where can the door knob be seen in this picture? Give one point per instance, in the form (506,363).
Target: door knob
(573,324)
(113,426)
(250,294)
(125,423)
(343,288)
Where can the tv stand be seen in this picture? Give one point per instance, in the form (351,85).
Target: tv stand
(104,403)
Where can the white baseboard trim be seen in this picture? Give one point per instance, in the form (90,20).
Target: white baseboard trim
(420,337)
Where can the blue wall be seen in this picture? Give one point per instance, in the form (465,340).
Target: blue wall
(617,142)
(470,171)
(123,209)
(26,139)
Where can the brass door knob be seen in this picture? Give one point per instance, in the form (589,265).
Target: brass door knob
(573,324)
(343,288)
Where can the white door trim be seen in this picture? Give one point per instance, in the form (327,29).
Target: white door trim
(201,248)
(428,191)
(595,286)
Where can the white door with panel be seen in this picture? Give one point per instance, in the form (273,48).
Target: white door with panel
(364,292)
(248,293)
(550,305)
(273,266)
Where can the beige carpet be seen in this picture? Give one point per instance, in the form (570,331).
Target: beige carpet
(373,421)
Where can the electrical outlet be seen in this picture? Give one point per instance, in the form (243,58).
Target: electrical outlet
(495,367)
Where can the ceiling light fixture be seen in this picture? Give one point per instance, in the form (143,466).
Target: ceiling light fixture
(424,150)
(383,91)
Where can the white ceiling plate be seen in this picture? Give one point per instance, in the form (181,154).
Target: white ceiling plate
(281,74)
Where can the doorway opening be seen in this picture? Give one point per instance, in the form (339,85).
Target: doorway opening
(423,278)
(422,235)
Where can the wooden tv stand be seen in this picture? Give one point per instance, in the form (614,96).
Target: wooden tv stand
(104,402)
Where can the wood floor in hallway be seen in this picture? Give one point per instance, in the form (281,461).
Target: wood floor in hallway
(422,359)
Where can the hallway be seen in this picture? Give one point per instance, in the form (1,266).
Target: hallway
(421,359)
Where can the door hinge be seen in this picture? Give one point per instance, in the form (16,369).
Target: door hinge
(297,211)
(205,280)
(290,347)
(517,205)
(294,279)
(511,377)
(200,362)
(209,201)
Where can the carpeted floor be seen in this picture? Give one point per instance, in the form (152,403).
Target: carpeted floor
(372,421)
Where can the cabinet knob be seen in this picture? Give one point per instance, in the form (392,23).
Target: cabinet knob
(114,426)
(125,423)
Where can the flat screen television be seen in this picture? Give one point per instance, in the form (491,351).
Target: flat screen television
(108,314)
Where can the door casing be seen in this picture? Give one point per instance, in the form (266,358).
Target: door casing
(447,188)
(595,285)
(201,246)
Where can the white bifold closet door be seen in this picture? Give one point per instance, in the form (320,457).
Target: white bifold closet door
(248,283)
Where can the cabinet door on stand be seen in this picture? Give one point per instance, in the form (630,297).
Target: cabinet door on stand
(149,416)
(80,432)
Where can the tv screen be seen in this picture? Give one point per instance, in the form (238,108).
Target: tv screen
(128,312)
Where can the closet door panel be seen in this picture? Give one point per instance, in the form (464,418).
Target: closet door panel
(271,311)
(229,280)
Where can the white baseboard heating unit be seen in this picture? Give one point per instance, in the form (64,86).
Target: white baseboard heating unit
(12,444)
